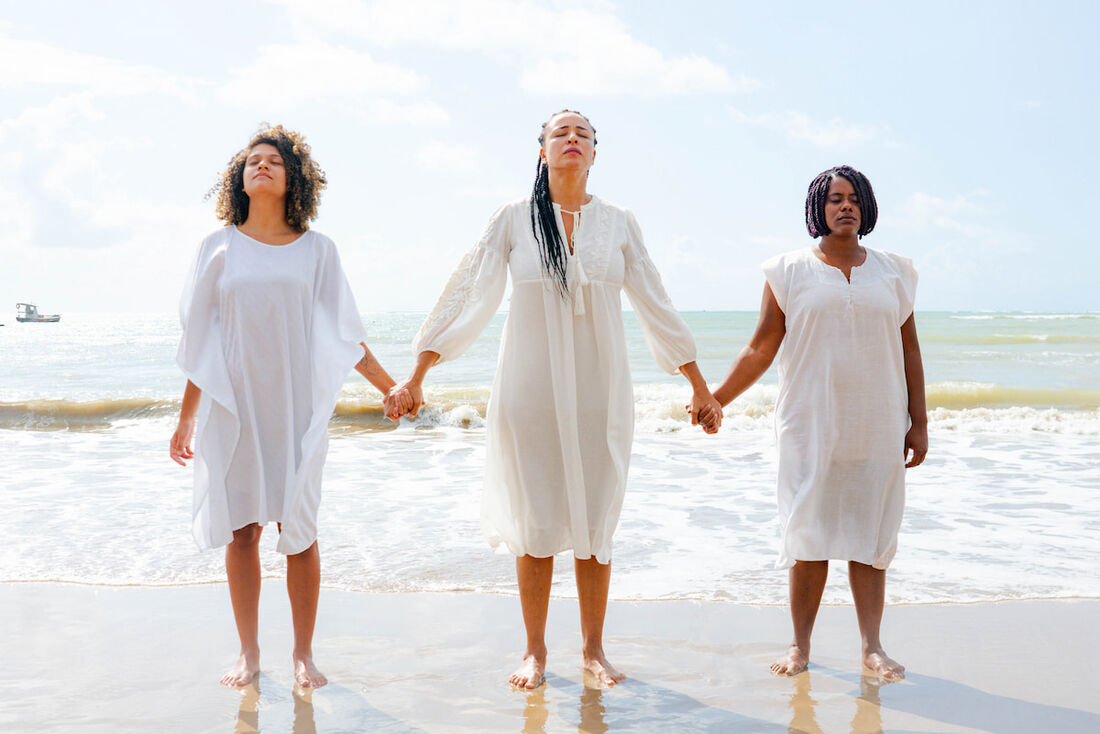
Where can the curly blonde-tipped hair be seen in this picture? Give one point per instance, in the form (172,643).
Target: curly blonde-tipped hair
(304,179)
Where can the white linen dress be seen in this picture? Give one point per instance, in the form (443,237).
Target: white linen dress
(269,334)
(843,406)
(560,418)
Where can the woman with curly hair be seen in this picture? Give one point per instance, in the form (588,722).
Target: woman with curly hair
(560,420)
(851,407)
(270,331)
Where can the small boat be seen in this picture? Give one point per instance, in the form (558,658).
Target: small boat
(28,312)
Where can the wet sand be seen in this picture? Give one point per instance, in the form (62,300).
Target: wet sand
(109,659)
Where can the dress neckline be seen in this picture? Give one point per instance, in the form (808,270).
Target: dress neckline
(293,242)
(812,250)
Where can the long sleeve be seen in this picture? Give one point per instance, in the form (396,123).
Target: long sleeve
(472,295)
(666,332)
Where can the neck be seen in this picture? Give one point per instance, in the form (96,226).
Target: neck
(568,188)
(839,244)
(267,215)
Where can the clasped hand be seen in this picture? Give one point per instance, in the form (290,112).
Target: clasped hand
(705,411)
(403,399)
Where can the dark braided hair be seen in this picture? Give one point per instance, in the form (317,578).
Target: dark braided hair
(544,224)
(819,194)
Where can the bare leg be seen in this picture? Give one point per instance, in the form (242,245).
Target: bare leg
(807,584)
(869,593)
(534,576)
(593,580)
(242,569)
(303,585)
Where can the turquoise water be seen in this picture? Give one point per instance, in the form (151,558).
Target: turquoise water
(1006,506)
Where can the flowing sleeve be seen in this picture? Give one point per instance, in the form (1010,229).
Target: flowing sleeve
(906,285)
(200,354)
(336,328)
(472,295)
(775,272)
(665,330)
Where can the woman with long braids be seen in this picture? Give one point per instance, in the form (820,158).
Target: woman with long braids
(560,419)
(270,331)
(850,411)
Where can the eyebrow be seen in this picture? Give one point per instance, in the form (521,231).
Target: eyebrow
(566,127)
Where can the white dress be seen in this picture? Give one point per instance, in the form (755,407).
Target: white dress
(560,419)
(269,334)
(843,406)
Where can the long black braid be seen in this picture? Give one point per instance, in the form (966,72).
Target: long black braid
(818,194)
(544,224)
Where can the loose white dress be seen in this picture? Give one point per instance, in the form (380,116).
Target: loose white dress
(560,418)
(269,334)
(843,406)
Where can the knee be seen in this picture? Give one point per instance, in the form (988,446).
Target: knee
(247,536)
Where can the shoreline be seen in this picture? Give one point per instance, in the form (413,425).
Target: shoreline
(554,596)
(148,658)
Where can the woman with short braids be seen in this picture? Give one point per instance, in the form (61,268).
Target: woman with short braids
(560,419)
(850,410)
(270,331)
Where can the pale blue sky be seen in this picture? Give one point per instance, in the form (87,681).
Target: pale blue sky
(976,123)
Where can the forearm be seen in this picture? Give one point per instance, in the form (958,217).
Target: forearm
(424,362)
(371,369)
(695,377)
(750,364)
(190,405)
(914,382)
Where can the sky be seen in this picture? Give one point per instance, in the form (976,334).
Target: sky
(976,123)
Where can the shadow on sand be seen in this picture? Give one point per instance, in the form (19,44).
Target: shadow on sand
(355,714)
(961,705)
(633,706)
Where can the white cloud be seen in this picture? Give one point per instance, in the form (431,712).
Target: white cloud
(284,76)
(557,47)
(448,157)
(421,113)
(832,133)
(32,63)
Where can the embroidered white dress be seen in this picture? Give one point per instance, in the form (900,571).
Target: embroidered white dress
(843,406)
(560,419)
(269,334)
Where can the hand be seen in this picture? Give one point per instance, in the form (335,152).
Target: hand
(705,410)
(415,397)
(916,441)
(179,448)
(398,402)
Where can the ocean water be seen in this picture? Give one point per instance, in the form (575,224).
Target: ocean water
(1006,506)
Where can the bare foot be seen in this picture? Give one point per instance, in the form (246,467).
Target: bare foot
(603,671)
(793,662)
(241,674)
(882,665)
(306,674)
(531,673)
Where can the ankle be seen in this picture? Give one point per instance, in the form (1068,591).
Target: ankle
(536,650)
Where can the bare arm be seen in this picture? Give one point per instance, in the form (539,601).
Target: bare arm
(372,370)
(179,448)
(916,439)
(757,356)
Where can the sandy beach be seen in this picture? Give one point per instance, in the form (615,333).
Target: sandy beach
(115,659)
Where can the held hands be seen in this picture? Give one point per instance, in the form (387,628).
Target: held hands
(405,398)
(179,448)
(916,441)
(705,411)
